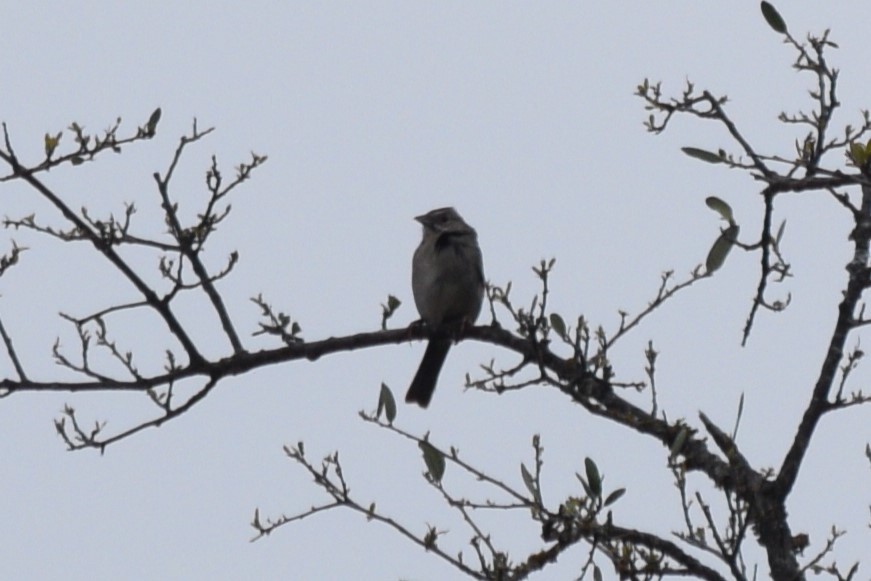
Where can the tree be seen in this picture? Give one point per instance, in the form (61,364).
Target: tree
(574,357)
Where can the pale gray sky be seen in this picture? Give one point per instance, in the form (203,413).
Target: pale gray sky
(519,114)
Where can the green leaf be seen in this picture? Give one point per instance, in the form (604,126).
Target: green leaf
(558,325)
(679,441)
(702,154)
(721,207)
(738,417)
(614,496)
(434,460)
(773,18)
(583,482)
(779,236)
(720,250)
(859,154)
(51,143)
(151,126)
(529,481)
(593,477)
(387,403)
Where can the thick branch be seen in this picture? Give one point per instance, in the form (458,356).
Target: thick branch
(859,278)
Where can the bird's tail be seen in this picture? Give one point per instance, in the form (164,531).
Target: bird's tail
(424,382)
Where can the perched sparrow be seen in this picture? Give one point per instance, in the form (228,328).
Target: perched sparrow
(447,279)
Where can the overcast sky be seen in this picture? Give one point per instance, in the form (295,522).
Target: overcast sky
(521,115)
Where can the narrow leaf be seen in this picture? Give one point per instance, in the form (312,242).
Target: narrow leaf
(593,477)
(679,441)
(721,207)
(583,482)
(720,250)
(435,462)
(779,235)
(387,403)
(151,126)
(702,154)
(773,18)
(738,417)
(614,496)
(529,481)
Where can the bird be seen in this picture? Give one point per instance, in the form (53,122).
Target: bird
(447,281)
